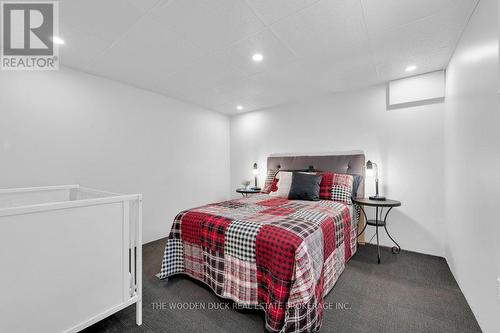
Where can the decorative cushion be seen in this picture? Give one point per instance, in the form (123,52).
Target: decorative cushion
(336,186)
(342,194)
(305,186)
(270,180)
(284,184)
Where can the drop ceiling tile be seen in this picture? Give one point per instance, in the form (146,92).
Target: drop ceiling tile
(145,56)
(148,50)
(80,49)
(145,5)
(305,75)
(384,14)
(205,72)
(238,92)
(272,11)
(424,36)
(344,74)
(458,13)
(324,28)
(429,35)
(357,77)
(297,80)
(209,24)
(196,83)
(106,20)
(239,55)
(266,89)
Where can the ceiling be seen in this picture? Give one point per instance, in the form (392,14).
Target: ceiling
(200,51)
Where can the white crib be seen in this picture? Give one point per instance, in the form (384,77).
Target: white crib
(69,257)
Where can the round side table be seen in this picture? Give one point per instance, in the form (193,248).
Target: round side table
(245,192)
(377,222)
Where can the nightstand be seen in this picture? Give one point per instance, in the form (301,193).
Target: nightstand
(378,222)
(245,192)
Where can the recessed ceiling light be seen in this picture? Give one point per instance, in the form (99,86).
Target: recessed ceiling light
(239,108)
(410,68)
(257,57)
(58,40)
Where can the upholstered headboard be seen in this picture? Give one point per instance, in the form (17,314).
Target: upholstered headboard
(352,164)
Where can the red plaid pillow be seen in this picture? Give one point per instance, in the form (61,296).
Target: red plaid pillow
(334,182)
(325,187)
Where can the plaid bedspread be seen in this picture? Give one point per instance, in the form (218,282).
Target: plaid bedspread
(279,255)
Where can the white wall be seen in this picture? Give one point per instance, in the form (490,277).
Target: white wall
(472,140)
(406,143)
(69,127)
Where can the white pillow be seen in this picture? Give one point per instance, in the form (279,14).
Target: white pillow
(284,184)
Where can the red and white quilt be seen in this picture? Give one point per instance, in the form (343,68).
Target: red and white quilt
(280,255)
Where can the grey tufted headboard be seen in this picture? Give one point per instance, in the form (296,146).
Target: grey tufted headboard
(352,164)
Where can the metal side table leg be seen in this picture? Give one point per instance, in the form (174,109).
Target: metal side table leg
(395,249)
(376,230)
(366,222)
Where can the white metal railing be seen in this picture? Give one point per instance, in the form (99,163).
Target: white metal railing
(78,197)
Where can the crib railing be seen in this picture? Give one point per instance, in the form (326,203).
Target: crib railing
(70,256)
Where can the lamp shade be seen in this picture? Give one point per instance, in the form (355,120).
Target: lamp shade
(370,169)
(255,169)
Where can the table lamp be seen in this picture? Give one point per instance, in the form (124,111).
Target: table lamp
(373,167)
(255,172)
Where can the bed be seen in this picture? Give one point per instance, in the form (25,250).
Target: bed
(70,256)
(265,252)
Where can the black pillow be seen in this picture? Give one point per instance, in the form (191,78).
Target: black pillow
(305,186)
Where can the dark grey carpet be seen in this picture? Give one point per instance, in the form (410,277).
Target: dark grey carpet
(408,292)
